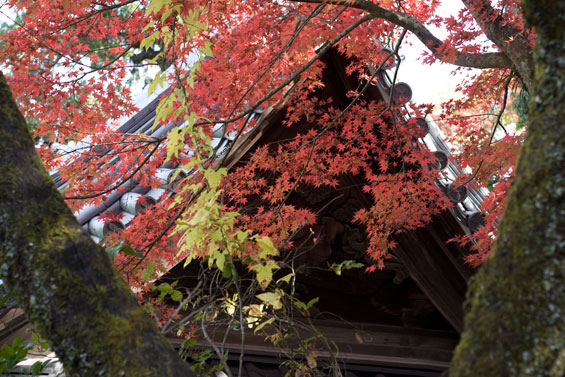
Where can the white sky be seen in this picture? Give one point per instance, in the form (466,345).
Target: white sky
(429,83)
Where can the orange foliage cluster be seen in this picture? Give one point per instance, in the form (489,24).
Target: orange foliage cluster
(69,64)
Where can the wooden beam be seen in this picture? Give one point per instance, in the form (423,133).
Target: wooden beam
(435,274)
(372,344)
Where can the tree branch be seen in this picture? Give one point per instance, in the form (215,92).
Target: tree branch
(65,283)
(508,38)
(514,324)
(434,44)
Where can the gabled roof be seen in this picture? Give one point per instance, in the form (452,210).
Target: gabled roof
(467,200)
(426,280)
(434,274)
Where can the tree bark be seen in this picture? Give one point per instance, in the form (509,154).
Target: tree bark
(411,23)
(509,39)
(515,322)
(66,283)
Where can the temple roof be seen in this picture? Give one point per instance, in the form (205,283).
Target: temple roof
(401,321)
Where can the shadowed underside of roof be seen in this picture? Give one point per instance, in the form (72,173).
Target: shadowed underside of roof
(398,345)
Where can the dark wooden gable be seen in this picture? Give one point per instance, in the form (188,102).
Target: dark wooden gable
(401,321)
(436,266)
(407,316)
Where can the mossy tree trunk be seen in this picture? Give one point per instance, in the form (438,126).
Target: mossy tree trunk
(515,322)
(66,283)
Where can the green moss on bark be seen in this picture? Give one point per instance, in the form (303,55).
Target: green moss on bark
(515,325)
(65,283)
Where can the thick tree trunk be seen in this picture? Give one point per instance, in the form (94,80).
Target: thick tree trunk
(515,325)
(65,283)
(508,38)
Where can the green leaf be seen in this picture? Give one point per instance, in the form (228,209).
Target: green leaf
(164,288)
(175,142)
(206,49)
(286,278)
(265,272)
(149,40)
(128,250)
(300,305)
(188,260)
(16,342)
(228,272)
(121,248)
(347,265)
(168,12)
(149,25)
(11,355)
(263,324)
(4,300)
(214,178)
(159,80)
(146,275)
(271,298)
(220,260)
(304,307)
(267,247)
(176,296)
(155,6)
(312,302)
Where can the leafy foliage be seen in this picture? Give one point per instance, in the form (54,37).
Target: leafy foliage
(12,354)
(220,64)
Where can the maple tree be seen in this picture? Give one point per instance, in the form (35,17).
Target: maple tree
(71,279)
(71,77)
(69,65)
